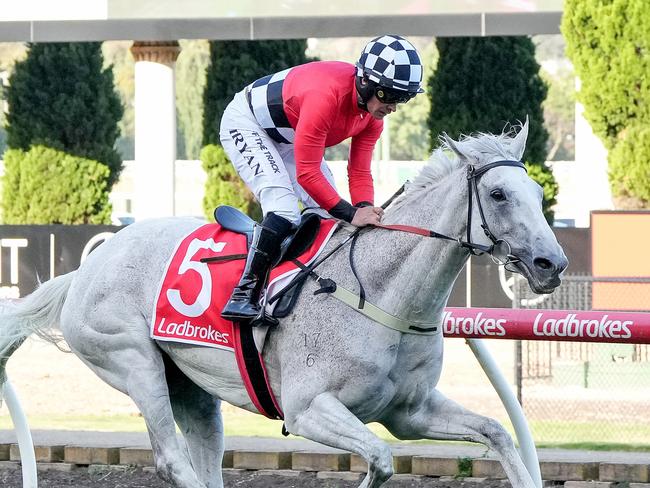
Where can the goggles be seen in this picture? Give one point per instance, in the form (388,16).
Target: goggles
(387,95)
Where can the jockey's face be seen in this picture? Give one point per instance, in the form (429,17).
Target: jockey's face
(379,110)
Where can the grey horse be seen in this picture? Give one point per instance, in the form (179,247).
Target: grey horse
(331,368)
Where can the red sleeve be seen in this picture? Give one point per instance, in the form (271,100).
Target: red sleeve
(309,148)
(359,174)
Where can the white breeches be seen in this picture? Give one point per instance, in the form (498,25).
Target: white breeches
(268,168)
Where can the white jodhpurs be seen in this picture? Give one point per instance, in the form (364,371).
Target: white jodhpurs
(267,167)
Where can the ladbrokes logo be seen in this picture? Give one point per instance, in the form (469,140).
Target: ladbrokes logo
(187,330)
(571,326)
(479,325)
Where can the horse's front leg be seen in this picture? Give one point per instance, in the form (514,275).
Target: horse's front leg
(438,417)
(326,420)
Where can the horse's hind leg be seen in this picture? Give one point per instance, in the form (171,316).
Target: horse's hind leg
(198,415)
(328,421)
(443,419)
(128,360)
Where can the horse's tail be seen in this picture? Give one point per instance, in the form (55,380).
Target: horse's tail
(37,313)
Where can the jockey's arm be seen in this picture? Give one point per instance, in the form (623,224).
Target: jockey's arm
(362,189)
(360,181)
(309,148)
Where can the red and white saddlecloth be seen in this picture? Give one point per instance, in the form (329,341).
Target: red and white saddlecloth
(192,294)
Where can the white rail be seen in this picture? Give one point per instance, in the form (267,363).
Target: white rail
(527,448)
(24,436)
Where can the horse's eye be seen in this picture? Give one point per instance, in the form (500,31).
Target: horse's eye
(498,195)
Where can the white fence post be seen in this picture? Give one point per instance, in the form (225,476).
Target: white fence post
(526,444)
(24,436)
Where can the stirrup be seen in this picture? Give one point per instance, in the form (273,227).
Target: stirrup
(264,320)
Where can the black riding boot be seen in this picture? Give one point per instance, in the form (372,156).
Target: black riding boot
(262,256)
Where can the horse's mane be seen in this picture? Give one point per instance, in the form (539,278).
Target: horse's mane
(443,161)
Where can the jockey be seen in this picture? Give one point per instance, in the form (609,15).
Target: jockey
(275,132)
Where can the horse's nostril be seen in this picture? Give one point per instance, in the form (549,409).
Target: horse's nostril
(543,263)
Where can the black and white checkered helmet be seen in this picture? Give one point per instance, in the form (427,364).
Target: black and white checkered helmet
(392,62)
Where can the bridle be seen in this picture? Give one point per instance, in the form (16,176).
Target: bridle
(500,250)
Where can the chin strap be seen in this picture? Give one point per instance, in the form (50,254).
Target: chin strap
(363,92)
(361,104)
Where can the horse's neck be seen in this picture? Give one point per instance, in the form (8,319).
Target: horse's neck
(409,275)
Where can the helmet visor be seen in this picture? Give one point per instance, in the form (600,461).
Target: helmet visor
(389,95)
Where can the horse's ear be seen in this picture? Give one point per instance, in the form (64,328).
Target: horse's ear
(451,144)
(518,144)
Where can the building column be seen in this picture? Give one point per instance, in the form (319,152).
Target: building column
(155,128)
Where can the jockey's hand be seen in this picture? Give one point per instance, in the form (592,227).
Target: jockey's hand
(367,216)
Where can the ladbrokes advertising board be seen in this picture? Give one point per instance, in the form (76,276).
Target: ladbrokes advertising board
(33,253)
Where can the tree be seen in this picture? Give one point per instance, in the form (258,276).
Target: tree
(118,57)
(63,115)
(559,106)
(629,168)
(46,186)
(485,83)
(408,130)
(559,114)
(61,97)
(233,65)
(190,84)
(10,52)
(607,41)
(408,126)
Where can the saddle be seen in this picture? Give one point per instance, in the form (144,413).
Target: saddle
(188,304)
(293,246)
(249,360)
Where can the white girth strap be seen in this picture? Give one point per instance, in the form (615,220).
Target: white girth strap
(384,318)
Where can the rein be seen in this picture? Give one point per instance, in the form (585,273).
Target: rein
(500,252)
(499,247)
